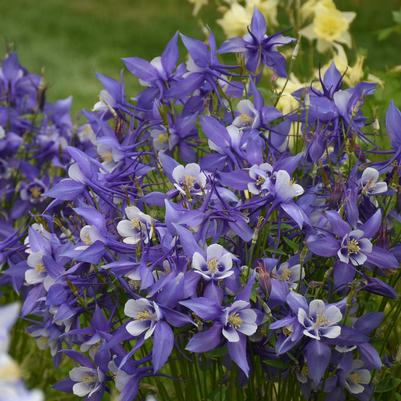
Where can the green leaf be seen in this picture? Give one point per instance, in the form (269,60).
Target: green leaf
(292,244)
(397,16)
(276,363)
(388,383)
(383,34)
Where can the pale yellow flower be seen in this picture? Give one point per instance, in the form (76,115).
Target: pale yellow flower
(308,8)
(353,74)
(287,103)
(329,26)
(198,4)
(237,17)
(235,20)
(267,7)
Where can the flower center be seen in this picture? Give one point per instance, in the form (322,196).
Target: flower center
(285,274)
(246,119)
(89,378)
(235,320)
(355,377)
(145,315)
(162,138)
(189,181)
(353,246)
(40,268)
(321,320)
(87,239)
(287,330)
(330,26)
(36,191)
(212,265)
(136,223)
(260,180)
(107,156)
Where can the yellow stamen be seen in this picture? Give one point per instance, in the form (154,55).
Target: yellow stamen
(40,268)
(107,156)
(136,223)
(212,265)
(145,315)
(189,181)
(321,320)
(235,320)
(245,119)
(163,138)
(36,191)
(285,274)
(353,246)
(355,377)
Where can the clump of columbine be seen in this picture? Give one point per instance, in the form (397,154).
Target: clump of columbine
(188,241)
(34,134)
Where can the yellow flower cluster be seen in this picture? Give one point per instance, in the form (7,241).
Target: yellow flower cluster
(329,25)
(237,15)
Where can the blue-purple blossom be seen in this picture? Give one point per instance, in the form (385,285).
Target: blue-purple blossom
(215,265)
(320,320)
(259,49)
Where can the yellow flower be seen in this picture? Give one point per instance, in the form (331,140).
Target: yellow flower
(267,7)
(353,74)
(329,26)
(198,4)
(235,20)
(287,103)
(237,17)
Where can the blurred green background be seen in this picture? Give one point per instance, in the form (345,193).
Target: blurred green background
(74,39)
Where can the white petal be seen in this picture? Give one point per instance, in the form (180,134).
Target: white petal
(245,106)
(76,374)
(226,260)
(316,307)
(379,188)
(248,328)
(32,276)
(331,332)
(34,259)
(311,335)
(364,376)
(150,331)
(134,306)
(369,175)
(75,173)
(192,169)
(333,315)
(214,251)
(126,229)
(197,261)
(354,388)
(178,173)
(231,335)
(132,212)
(301,316)
(81,389)
(137,327)
(248,316)
(252,188)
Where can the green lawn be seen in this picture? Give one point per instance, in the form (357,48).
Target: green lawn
(74,39)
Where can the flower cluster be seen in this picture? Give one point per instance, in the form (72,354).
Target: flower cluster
(33,136)
(192,229)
